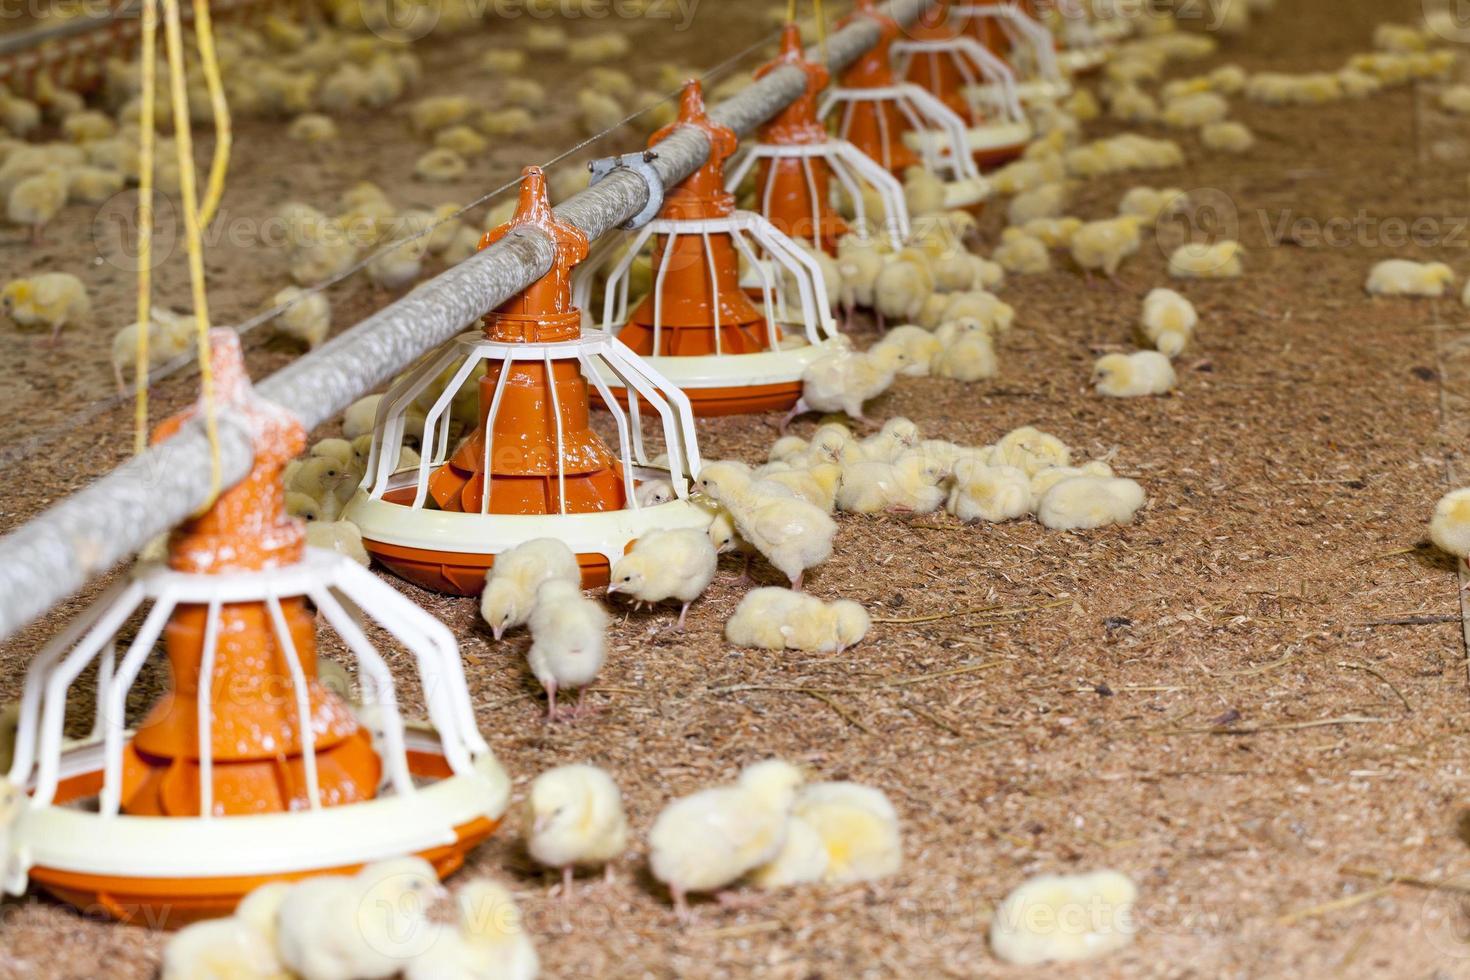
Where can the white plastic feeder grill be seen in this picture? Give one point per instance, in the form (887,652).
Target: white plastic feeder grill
(733,344)
(248,769)
(990,87)
(533,468)
(1081,45)
(798,160)
(877,111)
(1032,57)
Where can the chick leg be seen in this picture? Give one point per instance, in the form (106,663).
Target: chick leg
(796,581)
(566,884)
(681,906)
(683,611)
(789,417)
(122,389)
(550,701)
(745,576)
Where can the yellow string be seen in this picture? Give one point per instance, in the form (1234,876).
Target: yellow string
(821,29)
(193,233)
(790,11)
(223,135)
(145,224)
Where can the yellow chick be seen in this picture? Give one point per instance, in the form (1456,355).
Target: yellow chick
(1148,204)
(1449,527)
(1402,277)
(568,642)
(462,140)
(1227,136)
(618,84)
(368,925)
(505,122)
(1198,260)
(1044,480)
(802,860)
(918,344)
(1064,918)
(598,47)
(307,316)
(709,840)
(574,817)
(1194,110)
(35,200)
(342,537)
(398,267)
(1086,502)
(18,115)
(512,583)
(524,92)
(1131,104)
(759,619)
(858,827)
(438,112)
(487,939)
(902,286)
(165,342)
(312,127)
(228,947)
(502,61)
(52,299)
(1135,375)
(674,563)
(1168,321)
(989,493)
(88,125)
(1030,449)
(793,535)
(545,38)
(1046,201)
(597,113)
(995,314)
(1020,254)
(843,380)
(440,165)
(1103,245)
(969,357)
(92,185)
(909,484)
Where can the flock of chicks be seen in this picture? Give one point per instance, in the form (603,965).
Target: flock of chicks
(769,829)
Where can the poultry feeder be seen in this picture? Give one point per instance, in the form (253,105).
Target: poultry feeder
(798,161)
(260,773)
(943,61)
(732,347)
(877,111)
(1027,48)
(533,467)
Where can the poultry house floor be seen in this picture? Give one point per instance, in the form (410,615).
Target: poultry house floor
(1252,700)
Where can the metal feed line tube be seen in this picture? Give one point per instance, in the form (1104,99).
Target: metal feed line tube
(57,552)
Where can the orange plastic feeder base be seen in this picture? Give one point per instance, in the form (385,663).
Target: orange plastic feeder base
(998,156)
(170,903)
(708,403)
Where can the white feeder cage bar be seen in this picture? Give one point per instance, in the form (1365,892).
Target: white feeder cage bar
(988,83)
(1034,54)
(945,136)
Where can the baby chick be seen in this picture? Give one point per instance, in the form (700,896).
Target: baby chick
(336,928)
(1227,136)
(901,287)
(1449,528)
(1044,480)
(1145,372)
(1085,502)
(307,318)
(970,356)
(312,127)
(919,344)
(910,484)
(343,537)
(1039,921)
(858,828)
(1103,245)
(1401,277)
(597,112)
(844,380)
(1168,321)
(598,47)
(791,534)
(35,200)
(440,165)
(989,493)
(802,860)
(568,641)
(725,538)
(574,816)
(512,583)
(677,563)
(486,940)
(437,112)
(92,185)
(1030,450)
(228,947)
(1148,204)
(511,121)
(709,840)
(502,61)
(462,140)
(775,619)
(1021,254)
(52,299)
(1198,260)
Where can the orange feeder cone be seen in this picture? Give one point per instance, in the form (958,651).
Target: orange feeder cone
(544,458)
(876,128)
(256,742)
(699,293)
(796,193)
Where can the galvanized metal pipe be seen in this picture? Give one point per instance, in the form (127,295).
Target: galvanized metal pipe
(56,553)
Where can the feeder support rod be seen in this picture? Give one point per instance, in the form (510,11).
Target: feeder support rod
(56,553)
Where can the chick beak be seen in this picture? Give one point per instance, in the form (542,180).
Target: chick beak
(498,630)
(539,825)
(612,587)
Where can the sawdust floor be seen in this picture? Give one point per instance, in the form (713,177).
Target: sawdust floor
(1208,700)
